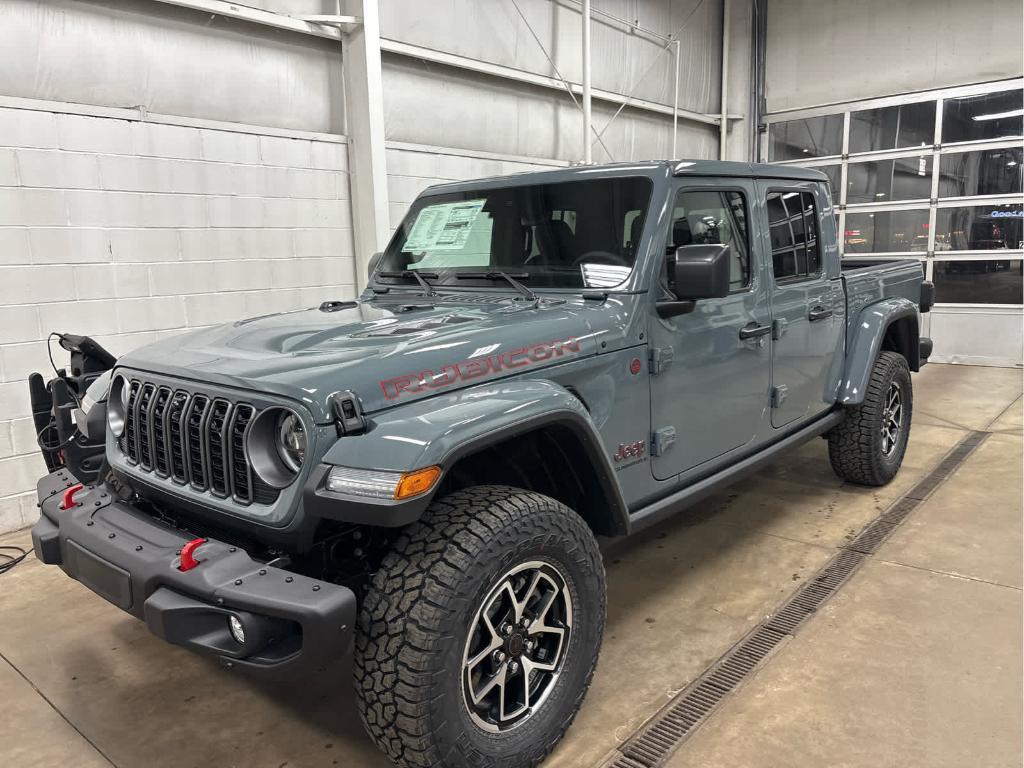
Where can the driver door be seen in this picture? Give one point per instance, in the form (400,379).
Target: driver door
(714,393)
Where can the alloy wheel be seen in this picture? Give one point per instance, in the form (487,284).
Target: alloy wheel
(516,646)
(892,419)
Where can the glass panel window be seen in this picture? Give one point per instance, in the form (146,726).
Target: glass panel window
(793,225)
(706,217)
(999,281)
(576,234)
(979,228)
(992,116)
(986,172)
(906,125)
(803,139)
(886,231)
(909,178)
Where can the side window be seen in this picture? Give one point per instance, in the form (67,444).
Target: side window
(793,226)
(709,217)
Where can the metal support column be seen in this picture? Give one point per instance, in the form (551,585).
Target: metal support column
(364,115)
(588,155)
(675,105)
(723,128)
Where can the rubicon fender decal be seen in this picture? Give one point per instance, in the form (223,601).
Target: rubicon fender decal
(478,367)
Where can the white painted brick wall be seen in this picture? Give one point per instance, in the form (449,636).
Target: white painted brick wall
(133,231)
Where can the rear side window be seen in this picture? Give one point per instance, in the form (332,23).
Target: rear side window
(712,217)
(793,226)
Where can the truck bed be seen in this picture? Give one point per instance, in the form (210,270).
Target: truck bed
(869,281)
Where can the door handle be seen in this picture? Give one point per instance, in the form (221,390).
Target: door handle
(819,313)
(753,330)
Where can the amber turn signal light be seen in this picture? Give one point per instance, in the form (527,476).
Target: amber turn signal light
(415,483)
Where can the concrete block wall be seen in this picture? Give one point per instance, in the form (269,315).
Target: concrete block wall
(130,231)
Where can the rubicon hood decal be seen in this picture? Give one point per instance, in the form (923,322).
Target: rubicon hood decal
(477,367)
(383,351)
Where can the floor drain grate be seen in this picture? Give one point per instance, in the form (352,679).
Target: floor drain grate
(871,537)
(660,739)
(655,742)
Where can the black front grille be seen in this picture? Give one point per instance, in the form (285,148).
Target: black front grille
(158,430)
(217,434)
(144,426)
(193,439)
(241,472)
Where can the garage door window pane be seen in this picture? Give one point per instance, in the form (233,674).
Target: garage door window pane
(979,228)
(906,125)
(992,116)
(886,231)
(908,178)
(803,139)
(998,281)
(988,172)
(835,178)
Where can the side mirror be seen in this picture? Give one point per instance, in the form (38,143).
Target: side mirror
(372,263)
(696,272)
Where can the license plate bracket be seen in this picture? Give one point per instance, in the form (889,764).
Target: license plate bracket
(101,576)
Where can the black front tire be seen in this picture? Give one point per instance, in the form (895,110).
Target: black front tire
(858,447)
(416,624)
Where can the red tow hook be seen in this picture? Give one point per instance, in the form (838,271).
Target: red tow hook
(188,560)
(69,496)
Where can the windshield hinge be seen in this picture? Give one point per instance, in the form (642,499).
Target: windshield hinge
(659,359)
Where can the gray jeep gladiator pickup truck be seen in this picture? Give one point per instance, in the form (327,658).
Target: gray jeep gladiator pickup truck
(423,473)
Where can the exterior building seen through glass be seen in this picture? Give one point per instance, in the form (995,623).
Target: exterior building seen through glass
(936,176)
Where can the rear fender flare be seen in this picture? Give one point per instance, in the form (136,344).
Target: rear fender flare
(869,329)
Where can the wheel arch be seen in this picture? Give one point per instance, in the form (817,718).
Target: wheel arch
(556,454)
(888,325)
(531,434)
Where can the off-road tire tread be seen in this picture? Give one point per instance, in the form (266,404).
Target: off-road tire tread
(853,443)
(398,645)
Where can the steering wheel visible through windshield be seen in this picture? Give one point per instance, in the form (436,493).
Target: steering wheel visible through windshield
(578,234)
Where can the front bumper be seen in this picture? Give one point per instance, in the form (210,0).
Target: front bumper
(294,625)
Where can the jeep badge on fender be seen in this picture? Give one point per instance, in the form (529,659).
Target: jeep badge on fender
(630,450)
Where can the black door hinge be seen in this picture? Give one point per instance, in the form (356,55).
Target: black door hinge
(662,439)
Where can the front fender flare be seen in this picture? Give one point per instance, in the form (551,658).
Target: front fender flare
(868,333)
(443,429)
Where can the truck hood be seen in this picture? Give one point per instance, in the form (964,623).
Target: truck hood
(386,351)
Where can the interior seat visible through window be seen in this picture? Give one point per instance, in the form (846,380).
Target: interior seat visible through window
(681,233)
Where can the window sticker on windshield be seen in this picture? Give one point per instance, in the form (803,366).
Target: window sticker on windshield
(443,227)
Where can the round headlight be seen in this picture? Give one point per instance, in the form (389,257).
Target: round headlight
(291,440)
(277,446)
(117,405)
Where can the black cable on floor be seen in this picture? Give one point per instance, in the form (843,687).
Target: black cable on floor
(9,561)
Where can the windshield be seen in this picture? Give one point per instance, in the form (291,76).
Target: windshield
(579,234)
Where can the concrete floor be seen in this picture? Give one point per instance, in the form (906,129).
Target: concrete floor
(916,662)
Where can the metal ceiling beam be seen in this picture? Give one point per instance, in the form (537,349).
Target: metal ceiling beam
(532,78)
(335,27)
(257,16)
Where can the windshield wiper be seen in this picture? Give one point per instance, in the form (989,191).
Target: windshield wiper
(419,277)
(499,275)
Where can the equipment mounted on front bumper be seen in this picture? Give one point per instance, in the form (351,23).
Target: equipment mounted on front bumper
(286,624)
